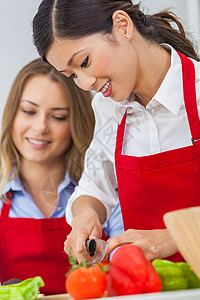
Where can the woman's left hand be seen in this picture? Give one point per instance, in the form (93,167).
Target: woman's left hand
(155,244)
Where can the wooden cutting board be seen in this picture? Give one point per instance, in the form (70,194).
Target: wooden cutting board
(56,297)
(184,227)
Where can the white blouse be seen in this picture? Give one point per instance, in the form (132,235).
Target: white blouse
(161,126)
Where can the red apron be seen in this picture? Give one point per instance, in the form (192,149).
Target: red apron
(150,186)
(32,247)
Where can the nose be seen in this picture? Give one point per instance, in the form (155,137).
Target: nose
(85,81)
(41,124)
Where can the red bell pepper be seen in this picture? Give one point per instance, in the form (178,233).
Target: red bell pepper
(131,273)
(154,282)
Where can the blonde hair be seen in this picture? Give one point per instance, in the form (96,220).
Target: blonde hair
(81,121)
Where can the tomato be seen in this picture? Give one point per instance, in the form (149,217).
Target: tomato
(105,265)
(86,283)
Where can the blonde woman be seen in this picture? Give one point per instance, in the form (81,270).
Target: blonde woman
(47,126)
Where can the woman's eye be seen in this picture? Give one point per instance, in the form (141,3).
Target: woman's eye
(59,118)
(84,64)
(28,112)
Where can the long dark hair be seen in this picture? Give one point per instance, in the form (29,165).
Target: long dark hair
(79,18)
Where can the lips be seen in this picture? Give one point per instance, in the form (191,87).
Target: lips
(38,142)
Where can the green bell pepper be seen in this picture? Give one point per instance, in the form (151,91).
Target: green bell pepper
(176,276)
(194,281)
(25,290)
(173,276)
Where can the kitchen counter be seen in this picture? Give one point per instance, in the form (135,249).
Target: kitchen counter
(193,294)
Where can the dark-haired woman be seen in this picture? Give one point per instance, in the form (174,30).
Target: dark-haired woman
(147,136)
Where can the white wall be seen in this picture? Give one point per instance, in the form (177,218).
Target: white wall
(17,49)
(187,10)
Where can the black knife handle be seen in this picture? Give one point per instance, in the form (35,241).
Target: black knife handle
(91,246)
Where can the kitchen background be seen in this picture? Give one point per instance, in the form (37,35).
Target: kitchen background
(17,49)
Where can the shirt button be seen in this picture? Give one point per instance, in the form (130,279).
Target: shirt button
(58,208)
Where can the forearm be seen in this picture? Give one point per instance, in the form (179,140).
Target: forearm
(87,202)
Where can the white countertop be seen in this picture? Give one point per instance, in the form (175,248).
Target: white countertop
(193,294)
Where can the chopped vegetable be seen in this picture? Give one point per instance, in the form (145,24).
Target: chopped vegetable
(25,290)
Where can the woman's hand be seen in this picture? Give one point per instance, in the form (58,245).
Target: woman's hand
(154,243)
(85,225)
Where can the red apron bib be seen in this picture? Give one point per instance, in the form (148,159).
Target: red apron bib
(32,247)
(150,186)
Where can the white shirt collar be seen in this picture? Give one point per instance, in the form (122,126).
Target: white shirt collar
(16,184)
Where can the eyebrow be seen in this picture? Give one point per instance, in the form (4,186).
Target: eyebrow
(60,108)
(29,102)
(71,60)
(53,108)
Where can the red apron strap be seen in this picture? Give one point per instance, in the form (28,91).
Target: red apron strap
(119,139)
(190,96)
(6,206)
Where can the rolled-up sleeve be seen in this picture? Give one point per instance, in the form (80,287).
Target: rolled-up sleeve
(98,179)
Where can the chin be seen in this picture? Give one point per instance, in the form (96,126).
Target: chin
(119,99)
(121,96)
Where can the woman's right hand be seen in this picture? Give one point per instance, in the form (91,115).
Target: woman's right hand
(85,225)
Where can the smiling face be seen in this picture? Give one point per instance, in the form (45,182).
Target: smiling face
(103,63)
(41,130)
